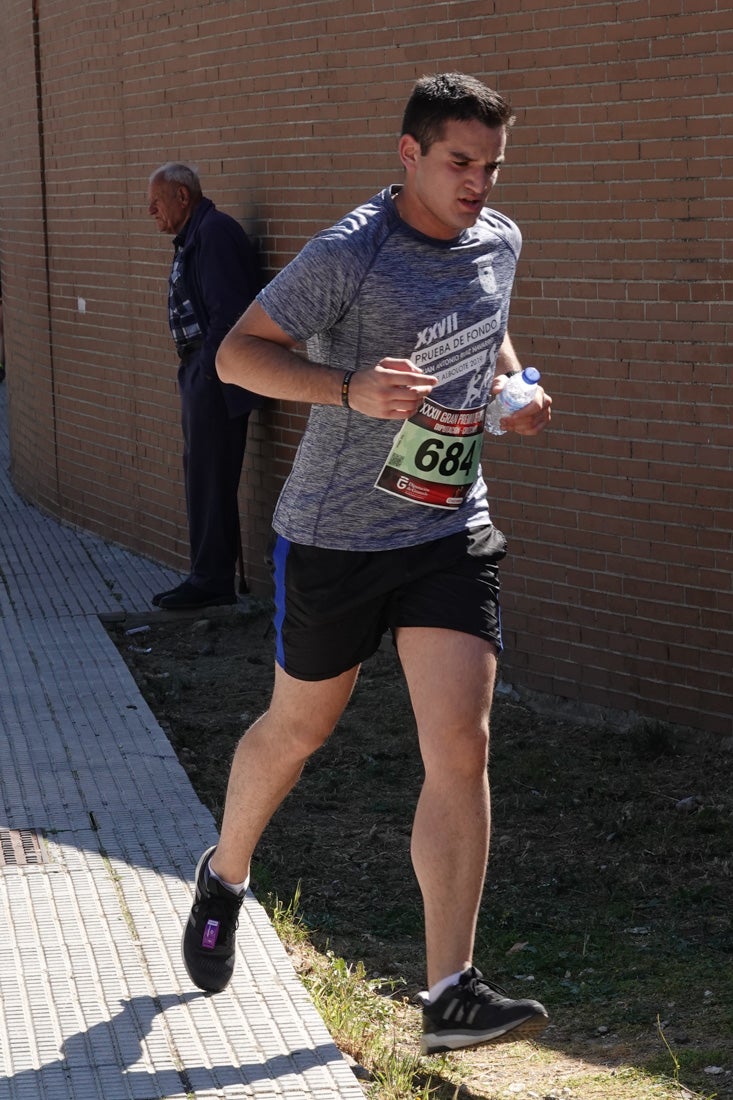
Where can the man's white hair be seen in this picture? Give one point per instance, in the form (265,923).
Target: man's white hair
(174,171)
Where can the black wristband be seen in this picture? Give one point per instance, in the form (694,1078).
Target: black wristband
(349,374)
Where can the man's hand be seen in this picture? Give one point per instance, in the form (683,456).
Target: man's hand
(532,419)
(393,390)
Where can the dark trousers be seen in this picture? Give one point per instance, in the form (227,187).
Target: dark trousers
(213,452)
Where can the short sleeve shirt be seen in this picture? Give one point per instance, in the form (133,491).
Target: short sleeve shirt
(368,288)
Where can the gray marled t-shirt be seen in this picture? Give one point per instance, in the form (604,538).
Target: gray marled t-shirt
(372,287)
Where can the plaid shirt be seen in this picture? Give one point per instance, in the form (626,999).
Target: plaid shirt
(181,317)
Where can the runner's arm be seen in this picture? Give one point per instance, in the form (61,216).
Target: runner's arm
(507,361)
(259,356)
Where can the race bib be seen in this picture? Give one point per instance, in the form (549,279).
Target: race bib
(435,456)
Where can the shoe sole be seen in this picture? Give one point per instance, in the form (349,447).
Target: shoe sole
(197,605)
(457,1040)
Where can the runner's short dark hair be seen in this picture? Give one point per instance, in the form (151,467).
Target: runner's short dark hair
(436,100)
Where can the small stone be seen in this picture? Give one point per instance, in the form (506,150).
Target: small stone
(201,626)
(688,805)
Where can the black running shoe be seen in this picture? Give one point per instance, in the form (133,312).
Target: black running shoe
(209,935)
(473,1012)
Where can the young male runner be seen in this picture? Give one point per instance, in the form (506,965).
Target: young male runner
(384,524)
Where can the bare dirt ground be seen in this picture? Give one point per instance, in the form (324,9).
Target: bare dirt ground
(609,889)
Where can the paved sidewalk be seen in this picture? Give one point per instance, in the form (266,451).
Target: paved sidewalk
(100,832)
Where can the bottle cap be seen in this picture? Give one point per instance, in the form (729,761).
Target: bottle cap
(531,375)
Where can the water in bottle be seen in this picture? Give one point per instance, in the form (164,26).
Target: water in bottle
(518,392)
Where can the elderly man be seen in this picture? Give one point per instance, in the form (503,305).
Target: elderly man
(214,277)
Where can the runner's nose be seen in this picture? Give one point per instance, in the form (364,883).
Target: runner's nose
(477,182)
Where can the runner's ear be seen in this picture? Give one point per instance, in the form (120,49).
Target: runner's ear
(409,151)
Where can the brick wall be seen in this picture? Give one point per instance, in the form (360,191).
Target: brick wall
(618,590)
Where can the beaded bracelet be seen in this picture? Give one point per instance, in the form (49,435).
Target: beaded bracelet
(348,375)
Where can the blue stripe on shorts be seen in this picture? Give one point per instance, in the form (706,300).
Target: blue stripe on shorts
(279,561)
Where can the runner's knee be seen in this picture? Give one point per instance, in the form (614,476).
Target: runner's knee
(460,751)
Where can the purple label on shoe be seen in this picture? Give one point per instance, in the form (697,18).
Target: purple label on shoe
(211,934)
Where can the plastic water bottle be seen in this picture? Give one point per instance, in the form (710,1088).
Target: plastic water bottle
(519,390)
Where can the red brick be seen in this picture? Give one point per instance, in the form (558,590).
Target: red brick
(619,518)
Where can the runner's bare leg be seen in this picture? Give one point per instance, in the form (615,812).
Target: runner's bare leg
(451,680)
(269,759)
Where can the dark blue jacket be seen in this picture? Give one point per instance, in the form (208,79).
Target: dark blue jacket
(221,273)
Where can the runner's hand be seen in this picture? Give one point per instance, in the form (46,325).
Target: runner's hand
(393,390)
(532,419)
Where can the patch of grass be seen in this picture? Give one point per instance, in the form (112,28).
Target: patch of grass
(359,1013)
(609,894)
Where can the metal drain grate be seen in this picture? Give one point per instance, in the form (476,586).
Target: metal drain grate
(21,848)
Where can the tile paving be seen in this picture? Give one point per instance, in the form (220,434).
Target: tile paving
(100,833)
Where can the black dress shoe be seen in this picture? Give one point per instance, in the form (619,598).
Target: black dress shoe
(155,601)
(188,597)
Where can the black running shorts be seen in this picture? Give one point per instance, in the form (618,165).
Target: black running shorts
(332,607)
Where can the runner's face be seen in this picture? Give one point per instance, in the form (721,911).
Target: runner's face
(446,188)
